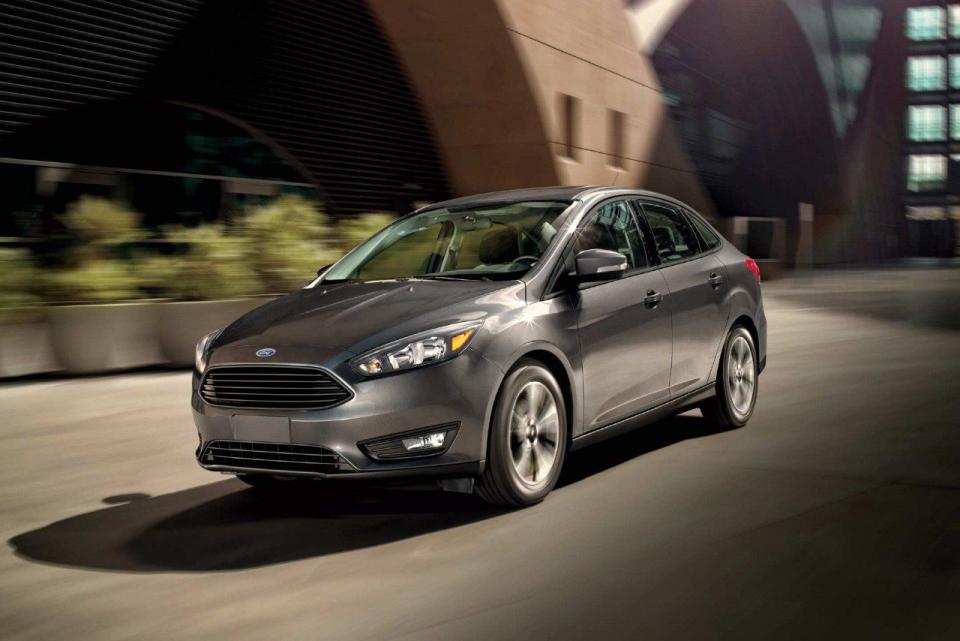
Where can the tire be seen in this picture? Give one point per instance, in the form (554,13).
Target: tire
(270,483)
(737,382)
(523,442)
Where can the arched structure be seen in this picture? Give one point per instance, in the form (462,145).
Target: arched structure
(526,93)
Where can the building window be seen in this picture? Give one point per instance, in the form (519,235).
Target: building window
(955,71)
(926,73)
(616,129)
(569,126)
(926,122)
(955,122)
(927,23)
(955,20)
(927,172)
(926,213)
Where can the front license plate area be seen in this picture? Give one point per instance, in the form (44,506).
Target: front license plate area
(265,429)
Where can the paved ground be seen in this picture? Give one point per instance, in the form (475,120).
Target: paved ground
(835,513)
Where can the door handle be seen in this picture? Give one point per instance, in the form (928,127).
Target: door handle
(653,298)
(715,280)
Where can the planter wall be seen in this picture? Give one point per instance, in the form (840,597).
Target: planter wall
(104,338)
(25,349)
(95,339)
(180,325)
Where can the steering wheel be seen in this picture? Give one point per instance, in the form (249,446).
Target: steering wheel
(526,259)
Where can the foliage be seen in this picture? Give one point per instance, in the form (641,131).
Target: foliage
(98,222)
(215,265)
(267,249)
(287,241)
(17,285)
(93,281)
(355,230)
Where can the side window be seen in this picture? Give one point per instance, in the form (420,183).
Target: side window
(612,226)
(707,235)
(673,236)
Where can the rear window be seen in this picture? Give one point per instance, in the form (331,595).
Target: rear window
(707,235)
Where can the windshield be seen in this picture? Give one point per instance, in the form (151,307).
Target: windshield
(495,242)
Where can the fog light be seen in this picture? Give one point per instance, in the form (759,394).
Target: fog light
(424,442)
(429,441)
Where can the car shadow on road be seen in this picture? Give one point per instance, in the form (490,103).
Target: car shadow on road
(225,526)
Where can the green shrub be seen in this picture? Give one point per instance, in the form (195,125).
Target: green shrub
(17,285)
(96,223)
(91,273)
(287,241)
(353,231)
(93,281)
(215,265)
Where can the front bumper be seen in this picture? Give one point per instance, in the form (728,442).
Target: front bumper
(457,391)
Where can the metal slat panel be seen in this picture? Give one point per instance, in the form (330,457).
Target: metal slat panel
(278,387)
(274,457)
(317,77)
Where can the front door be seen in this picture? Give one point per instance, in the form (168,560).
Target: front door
(624,327)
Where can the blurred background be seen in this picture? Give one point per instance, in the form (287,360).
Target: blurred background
(167,165)
(196,151)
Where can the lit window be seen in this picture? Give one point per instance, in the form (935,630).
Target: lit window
(926,213)
(955,71)
(927,172)
(615,133)
(569,115)
(927,122)
(926,73)
(955,21)
(955,122)
(927,23)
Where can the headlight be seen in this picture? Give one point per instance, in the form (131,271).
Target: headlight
(202,351)
(415,351)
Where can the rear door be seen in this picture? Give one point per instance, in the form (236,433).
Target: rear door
(624,327)
(696,282)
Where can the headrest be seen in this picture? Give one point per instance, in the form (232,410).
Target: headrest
(595,236)
(661,235)
(499,246)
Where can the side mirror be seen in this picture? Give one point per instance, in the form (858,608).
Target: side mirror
(594,265)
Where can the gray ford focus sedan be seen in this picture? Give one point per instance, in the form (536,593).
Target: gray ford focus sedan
(478,340)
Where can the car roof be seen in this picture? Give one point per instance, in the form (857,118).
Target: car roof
(513,196)
(557,193)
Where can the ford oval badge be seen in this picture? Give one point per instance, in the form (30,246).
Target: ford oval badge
(266,352)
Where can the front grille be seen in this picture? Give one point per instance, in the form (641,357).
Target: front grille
(280,457)
(280,387)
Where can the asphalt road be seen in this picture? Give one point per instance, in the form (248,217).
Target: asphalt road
(834,514)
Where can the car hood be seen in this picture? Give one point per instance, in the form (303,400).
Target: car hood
(356,317)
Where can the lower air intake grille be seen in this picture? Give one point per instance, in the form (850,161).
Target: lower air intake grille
(280,457)
(275,387)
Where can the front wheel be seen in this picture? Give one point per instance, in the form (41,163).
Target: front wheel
(736,382)
(528,438)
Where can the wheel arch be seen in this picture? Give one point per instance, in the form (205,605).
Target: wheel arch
(557,363)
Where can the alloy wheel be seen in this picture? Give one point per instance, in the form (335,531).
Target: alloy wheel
(534,433)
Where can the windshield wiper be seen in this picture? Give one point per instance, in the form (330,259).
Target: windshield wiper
(442,277)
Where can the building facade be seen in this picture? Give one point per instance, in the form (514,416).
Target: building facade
(188,109)
(932,127)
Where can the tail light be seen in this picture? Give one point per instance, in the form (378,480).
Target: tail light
(753,267)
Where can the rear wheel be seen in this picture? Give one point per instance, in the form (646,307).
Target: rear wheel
(736,382)
(528,438)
